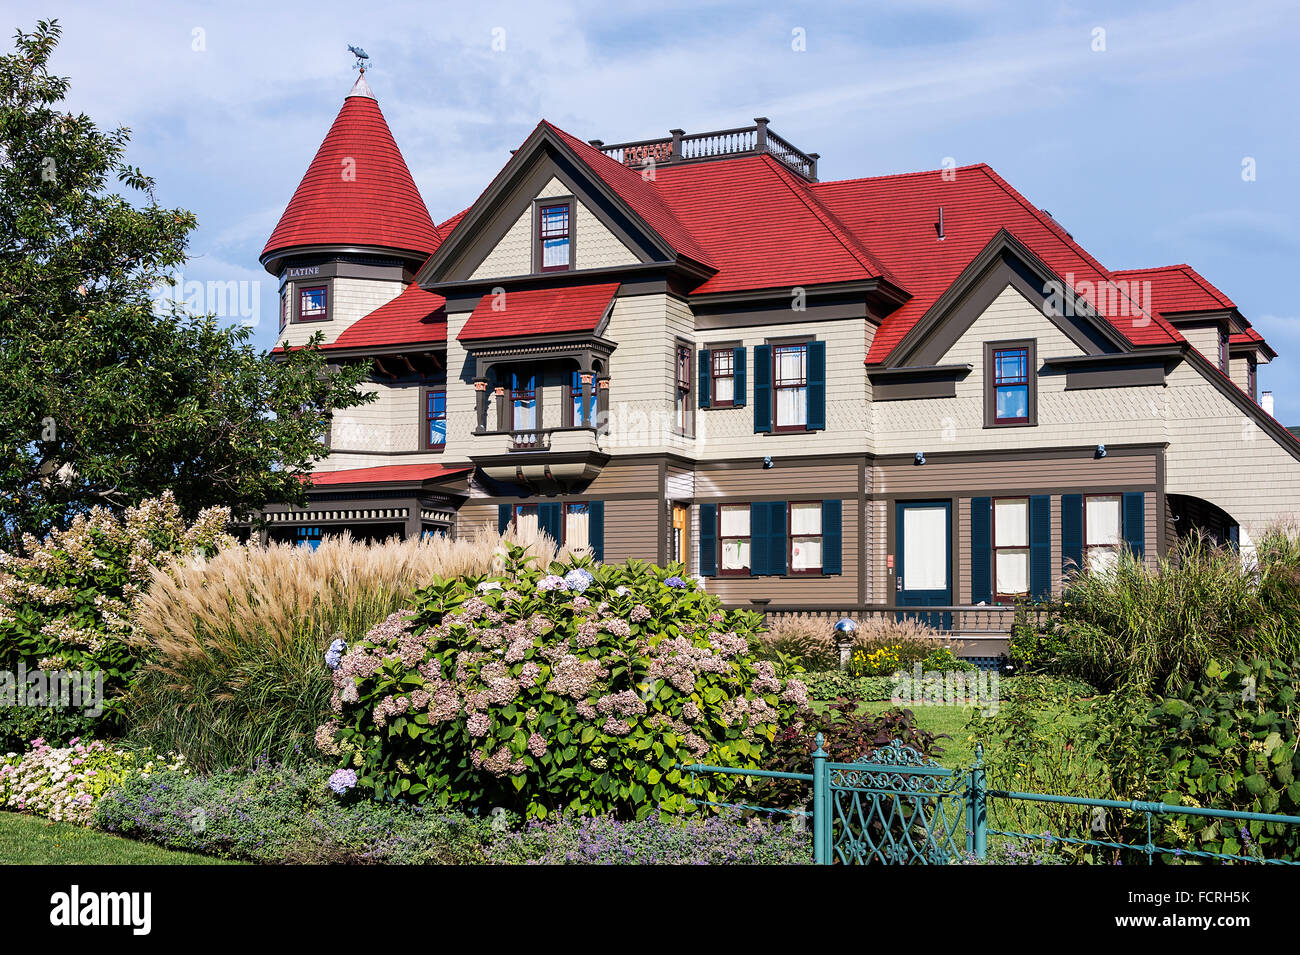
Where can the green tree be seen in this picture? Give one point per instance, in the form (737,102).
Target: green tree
(106,396)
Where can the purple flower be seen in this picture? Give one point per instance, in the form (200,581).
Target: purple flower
(675,582)
(341,780)
(551,582)
(578,579)
(334,655)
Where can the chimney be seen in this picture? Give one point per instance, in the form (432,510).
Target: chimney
(1266,402)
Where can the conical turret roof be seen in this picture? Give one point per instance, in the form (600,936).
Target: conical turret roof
(357,191)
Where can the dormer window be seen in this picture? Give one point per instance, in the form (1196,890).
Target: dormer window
(555,237)
(1010,396)
(313,304)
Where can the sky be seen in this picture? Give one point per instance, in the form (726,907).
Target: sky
(1156,133)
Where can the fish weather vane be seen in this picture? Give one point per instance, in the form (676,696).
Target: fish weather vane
(363,58)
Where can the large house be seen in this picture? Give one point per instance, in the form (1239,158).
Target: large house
(831,397)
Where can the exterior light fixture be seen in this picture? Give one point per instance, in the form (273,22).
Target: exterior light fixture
(1101,451)
(919,459)
(768,463)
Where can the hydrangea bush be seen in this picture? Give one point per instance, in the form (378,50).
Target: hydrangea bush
(64,601)
(572,688)
(65,782)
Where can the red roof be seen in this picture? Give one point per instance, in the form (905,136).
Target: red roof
(377,205)
(404,473)
(896,217)
(762,226)
(1179,288)
(539,312)
(414,317)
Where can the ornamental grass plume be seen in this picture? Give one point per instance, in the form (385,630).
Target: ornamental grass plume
(236,643)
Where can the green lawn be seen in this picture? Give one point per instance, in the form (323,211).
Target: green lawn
(32,840)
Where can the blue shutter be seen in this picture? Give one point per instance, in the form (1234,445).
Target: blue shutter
(776,537)
(705,374)
(549,517)
(738,369)
(708,540)
(981,550)
(832,537)
(816,386)
(1135,518)
(1071,532)
(1040,546)
(759,539)
(762,388)
(504,514)
(596,528)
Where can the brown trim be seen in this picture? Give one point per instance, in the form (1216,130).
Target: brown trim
(1030,347)
(273,261)
(908,382)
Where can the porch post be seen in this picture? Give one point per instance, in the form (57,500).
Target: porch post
(480,405)
(586,400)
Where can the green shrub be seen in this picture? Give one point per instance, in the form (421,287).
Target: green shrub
(64,602)
(236,644)
(1227,742)
(1034,649)
(19,725)
(543,693)
(829,685)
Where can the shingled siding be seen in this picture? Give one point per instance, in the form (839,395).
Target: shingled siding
(643,375)
(352,300)
(1098,416)
(1218,453)
(594,246)
(391,422)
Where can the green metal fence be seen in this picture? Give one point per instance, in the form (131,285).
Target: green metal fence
(898,807)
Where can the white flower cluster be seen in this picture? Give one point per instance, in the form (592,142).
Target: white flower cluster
(64,782)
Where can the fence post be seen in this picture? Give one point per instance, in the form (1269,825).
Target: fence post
(821,814)
(977,808)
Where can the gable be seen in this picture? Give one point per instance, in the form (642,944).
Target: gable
(1005,262)
(494,238)
(595,246)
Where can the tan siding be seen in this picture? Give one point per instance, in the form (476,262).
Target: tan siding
(638,478)
(354,299)
(790,481)
(472,518)
(1110,416)
(631,530)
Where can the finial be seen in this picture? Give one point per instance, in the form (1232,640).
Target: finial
(363,58)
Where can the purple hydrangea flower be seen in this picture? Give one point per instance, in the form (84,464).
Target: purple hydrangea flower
(675,582)
(551,582)
(341,780)
(335,653)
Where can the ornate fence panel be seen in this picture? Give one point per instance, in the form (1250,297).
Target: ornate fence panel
(896,807)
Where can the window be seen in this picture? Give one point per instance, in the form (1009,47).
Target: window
(554,238)
(284,307)
(724,378)
(1011,386)
(805,537)
(580,416)
(577,527)
(733,535)
(525,521)
(683,387)
(790,380)
(523,402)
(309,537)
(1223,350)
(1010,548)
(435,419)
(1101,532)
(681,533)
(1252,381)
(312,304)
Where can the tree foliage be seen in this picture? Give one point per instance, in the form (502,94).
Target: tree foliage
(107,396)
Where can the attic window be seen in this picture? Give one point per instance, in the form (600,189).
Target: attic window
(554,238)
(312,304)
(1010,389)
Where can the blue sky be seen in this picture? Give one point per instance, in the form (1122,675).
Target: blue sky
(1136,149)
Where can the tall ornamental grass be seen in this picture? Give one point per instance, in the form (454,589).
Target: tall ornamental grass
(1157,628)
(235,643)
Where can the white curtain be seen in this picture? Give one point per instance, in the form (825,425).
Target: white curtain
(735,523)
(526,523)
(806,554)
(925,543)
(791,406)
(1013,572)
(1102,520)
(805,519)
(576,523)
(1011,527)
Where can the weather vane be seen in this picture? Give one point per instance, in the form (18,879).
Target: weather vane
(363,58)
